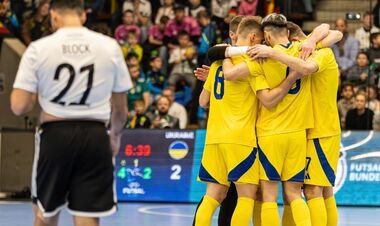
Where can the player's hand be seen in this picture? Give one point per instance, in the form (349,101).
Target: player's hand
(259,51)
(202,73)
(115,142)
(307,48)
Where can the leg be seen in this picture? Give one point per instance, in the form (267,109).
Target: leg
(300,210)
(215,193)
(316,203)
(331,208)
(43,221)
(287,216)
(227,207)
(257,208)
(269,212)
(86,221)
(244,208)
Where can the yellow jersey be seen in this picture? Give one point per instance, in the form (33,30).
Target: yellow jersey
(233,108)
(324,89)
(295,112)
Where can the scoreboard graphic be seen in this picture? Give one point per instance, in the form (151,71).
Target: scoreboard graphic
(163,165)
(155,165)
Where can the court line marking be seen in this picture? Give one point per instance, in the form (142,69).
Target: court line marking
(13,202)
(150,210)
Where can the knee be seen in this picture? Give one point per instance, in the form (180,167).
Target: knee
(292,193)
(51,221)
(328,192)
(312,192)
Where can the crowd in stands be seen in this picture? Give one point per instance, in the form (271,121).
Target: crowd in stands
(164,41)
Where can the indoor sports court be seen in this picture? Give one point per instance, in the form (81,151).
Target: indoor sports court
(120,112)
(144,214)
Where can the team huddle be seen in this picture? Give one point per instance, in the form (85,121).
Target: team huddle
(273,118)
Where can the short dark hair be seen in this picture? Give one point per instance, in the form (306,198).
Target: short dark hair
(362,53)
(183,33)
(164,19)
(75,5)
(128,11)
(131,55)
(203,14)
(347,84)
(248,25)
(294,30)
(374,36)
(234,23)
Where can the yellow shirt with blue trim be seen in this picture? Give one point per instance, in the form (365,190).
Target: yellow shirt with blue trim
(324,89)
(233,107)
(295,112)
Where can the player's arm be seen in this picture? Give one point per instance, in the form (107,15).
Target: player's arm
(220,52)
(234,72)
(270,98)
(204,99)
(297,64)
(24,93)
(333,37)
(118,119)
(22,101)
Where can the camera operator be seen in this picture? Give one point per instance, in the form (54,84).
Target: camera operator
(162,120)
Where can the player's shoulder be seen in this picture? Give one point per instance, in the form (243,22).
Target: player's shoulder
(101,38)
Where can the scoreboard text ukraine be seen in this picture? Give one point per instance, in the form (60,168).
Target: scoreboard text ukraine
(155,165)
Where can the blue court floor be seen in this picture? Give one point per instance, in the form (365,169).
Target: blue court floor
(147,214)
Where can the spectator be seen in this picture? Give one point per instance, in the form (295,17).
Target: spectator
(92,8)
(347,49)
(181,23)
(374,51)
(222,12)
(346,103)
(176,109)
(140,119)
(248,7)
(121,32)
(144,24)
(156,45)
(373,102)
(358,73)
(140,7)
(359,118)
(194,8)
(8,20)
(162,119)
(165,10)
(362,34)
(156,32)
(38,25)
(184,61)
(132,46)
(132,59)
(157,80)
(140,90)
(376,14)
(208,36)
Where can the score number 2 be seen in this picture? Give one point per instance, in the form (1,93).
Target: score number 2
(176,170)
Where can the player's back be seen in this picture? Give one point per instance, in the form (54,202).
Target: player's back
(324,89)
(233,108)
(77,70)
(294,112)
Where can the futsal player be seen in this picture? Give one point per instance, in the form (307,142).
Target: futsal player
(230,152)
(74,73)
(323,142)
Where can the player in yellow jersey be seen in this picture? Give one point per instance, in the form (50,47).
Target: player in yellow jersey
(323,143)
(230,150)
(281,129)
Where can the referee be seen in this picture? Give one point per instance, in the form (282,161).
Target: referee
(76,74)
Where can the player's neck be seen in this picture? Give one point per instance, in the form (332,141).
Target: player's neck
(71,21)
(280,41)
(243,42)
